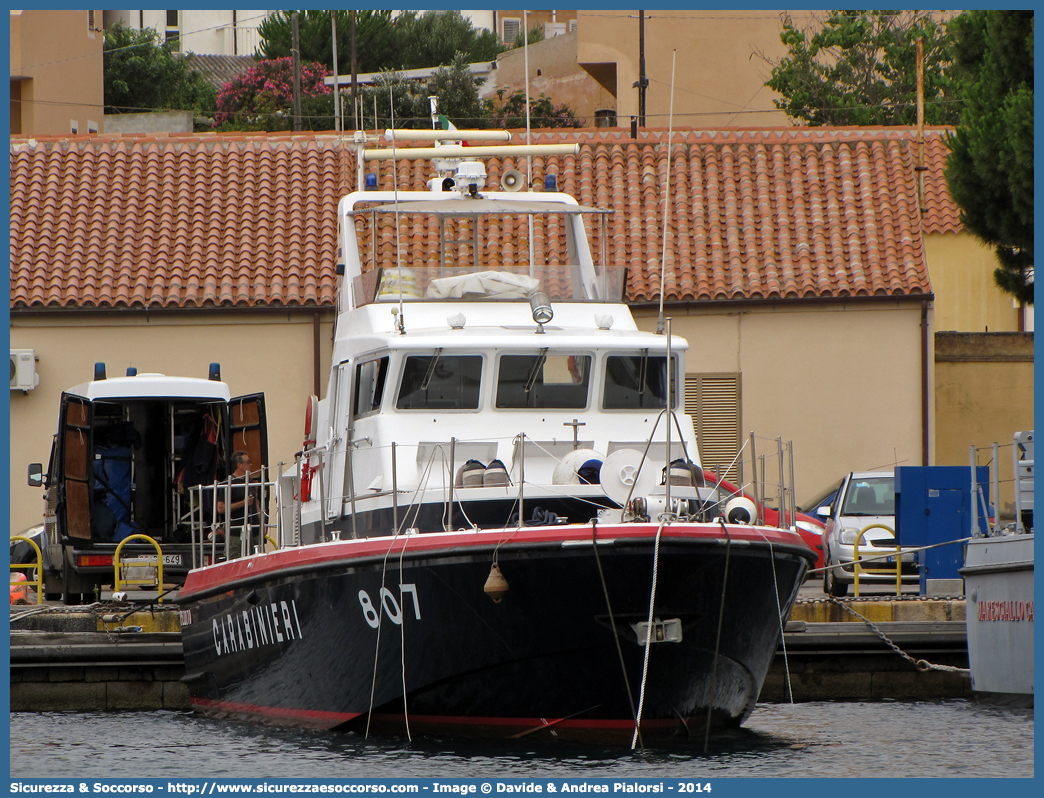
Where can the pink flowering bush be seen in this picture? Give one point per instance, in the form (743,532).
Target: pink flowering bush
(262,98)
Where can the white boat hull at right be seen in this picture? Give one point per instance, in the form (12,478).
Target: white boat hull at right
(998,576)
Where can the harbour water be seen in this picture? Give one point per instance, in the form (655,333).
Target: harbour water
(944,739)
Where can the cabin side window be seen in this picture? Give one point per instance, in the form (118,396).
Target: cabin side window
(440,382)
(369,386)
(543,381)
(638,382)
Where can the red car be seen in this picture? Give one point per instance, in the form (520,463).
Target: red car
(809,527)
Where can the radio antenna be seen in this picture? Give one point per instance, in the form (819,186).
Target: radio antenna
(399,321)
(666,201)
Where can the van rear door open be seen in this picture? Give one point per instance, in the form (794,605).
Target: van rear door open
(76,458)
(249,428)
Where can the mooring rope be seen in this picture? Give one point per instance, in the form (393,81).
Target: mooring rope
(379,609)
(648,631)
(402,639)
(612,624)
(717,639)
(779,613)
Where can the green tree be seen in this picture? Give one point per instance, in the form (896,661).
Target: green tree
(141,73)
(410,41)
(990,168)
(434,38)
(536,34)
(375,39)
(860,68)
(543,113)
(455,86)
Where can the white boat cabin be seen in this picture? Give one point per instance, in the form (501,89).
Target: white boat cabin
(477,347)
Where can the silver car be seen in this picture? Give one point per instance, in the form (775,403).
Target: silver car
(866,499)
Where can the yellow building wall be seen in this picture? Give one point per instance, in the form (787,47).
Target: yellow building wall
(553,71)
(984,394)
(57,59)
(966,297)
(842,382)
(264,351)
(719,76)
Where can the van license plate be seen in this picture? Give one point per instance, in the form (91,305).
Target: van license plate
(172,559)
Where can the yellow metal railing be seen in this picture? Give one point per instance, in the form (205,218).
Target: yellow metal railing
(38,566)
(855,558)
(119,563)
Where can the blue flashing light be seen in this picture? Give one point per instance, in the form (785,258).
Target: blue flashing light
(99,371)
(550,184)
(371,182)
(215,372)
(131,371)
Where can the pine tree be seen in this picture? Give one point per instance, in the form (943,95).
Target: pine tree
(990,168)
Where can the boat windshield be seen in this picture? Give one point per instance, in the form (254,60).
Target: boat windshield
(440,255)
(638,382)
(440,382)
(870,496)
(543,380)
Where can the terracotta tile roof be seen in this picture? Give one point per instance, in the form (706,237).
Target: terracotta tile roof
(249,219)
(220,69)
(755,213)
(174,221)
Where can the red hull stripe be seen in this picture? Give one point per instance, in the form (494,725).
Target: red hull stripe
(327,720)
(217,576)
(529,723)
(311,717)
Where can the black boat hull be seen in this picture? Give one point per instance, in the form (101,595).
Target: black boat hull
(385,634)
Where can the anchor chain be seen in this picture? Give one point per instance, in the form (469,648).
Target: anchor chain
(921,664)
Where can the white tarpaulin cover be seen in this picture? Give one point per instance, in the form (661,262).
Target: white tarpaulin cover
(495,285)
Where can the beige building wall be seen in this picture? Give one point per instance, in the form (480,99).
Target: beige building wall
(984,394)
(553,71)
(264,351)
(719,74)
(57,82)
(843,382)
(966,297)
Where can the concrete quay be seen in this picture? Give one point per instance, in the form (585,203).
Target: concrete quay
(97,657)
(109,656)
(830,652)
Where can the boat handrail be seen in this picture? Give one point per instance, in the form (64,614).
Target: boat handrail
(207,530)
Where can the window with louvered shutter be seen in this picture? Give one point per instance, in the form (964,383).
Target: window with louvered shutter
(511,27)
(713,401)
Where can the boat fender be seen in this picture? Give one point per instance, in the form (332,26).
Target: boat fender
(740,510)
(568,470)
(496,585)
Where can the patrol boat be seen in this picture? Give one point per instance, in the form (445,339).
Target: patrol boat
(998,581)
(495,527)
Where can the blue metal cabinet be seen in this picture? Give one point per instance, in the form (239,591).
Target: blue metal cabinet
(933,505)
